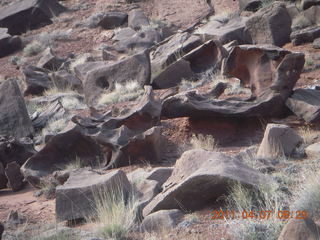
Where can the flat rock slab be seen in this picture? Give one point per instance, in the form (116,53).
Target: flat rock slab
(199,178)
(76,199)
(305,103)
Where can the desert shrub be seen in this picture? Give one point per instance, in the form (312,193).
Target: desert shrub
(206,142)
(33,48)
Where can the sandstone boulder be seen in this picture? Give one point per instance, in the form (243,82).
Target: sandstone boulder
(14,118)
(270,25)
(77,197)
(278,140)
(161,220)
(297,229)
(199,178)
(28,14)
(305,103)
(99,77)
(8,44)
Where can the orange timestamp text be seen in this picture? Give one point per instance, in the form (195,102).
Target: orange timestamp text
(259,215)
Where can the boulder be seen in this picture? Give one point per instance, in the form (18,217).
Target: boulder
(305,35)
(305,103)
(108,20)
(37,80)
(60,150)
(159,174)
(316,43)
(8,44)
(25,15)
(250,5)
(78,196)
(278,140)
(207,56)
(1,229)
(199,178)
(300,229)
(225,32)
(99,77)
(63,80)
(161,220)
(137,19)
(313,150)
(171,50)
(14,118)
(305,4)
(270,25)
(123,34)
(3,178)
(14,176)
(50,61)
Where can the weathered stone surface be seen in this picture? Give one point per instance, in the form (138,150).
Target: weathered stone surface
(316,43)
(37,80)
(305,103)
(76,198)
(1,229)
(170,51)
(249,5)
(313,150)
(14,176)
(49,61)
(28,14)
(137,19)
(63,79)
(305,4)
(278,140)
(304,36)
(200,59)
(99,77)
(58,152)
(108,20)
(270,25)
(161,220)
(195,174)
(14,118)
(8,44)
(3,178)
(304,229)
(225,32)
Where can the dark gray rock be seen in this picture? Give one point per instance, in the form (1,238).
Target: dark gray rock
(14,118)
(50,61)
(305,103)
(28,14)
(137,19)
(305,4)
(8,44)
(249,5)
(316,43)
(14,176)
(107,20)
(304,36)
(64,80)
(76,199)
(37,80)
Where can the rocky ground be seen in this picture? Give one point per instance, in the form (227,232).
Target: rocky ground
(158,119)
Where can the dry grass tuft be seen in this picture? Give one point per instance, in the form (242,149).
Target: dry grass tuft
(206,142)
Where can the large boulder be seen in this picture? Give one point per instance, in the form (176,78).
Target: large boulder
(270,25)
(23,15)
(199,178)
(78,196)
(14,118)
(161,220)
(137,19)
(305,103)
(170,51)
(207,56)
(278,140)
(305,35)
(99,77)
(300,229)
(225,32)
(269,71)
(8,44)
(37,80)
(60,150)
